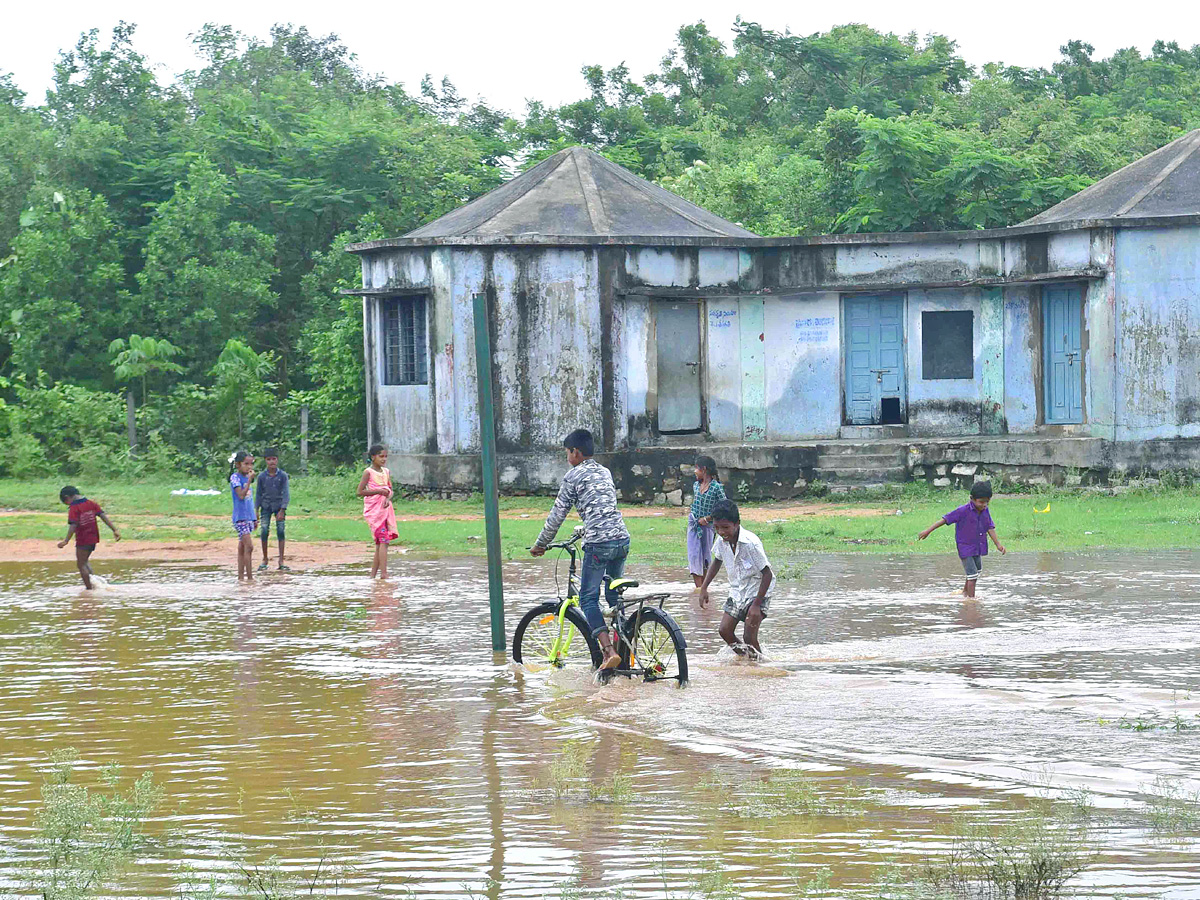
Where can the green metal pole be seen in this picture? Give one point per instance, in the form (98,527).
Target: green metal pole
(487,441)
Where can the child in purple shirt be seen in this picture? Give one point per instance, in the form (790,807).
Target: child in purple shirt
(973,526)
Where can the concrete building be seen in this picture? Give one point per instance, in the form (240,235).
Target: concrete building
(1066,347)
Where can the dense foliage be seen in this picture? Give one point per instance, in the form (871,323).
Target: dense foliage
(210,213)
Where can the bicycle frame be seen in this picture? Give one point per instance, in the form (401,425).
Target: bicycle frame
(566,631)
(623,612)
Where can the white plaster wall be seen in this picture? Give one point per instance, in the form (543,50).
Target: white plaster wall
(466,277)
(1158,332)
(506,356)
(441,346)
(719,266)
(564,365)
(666,267)
(405,416)
(803,352)
(1069,250)
(638,377)
(620,386)
(887,262)
(1021,354)
(936,406)
(1014,256)
(1099,359)
(404,413)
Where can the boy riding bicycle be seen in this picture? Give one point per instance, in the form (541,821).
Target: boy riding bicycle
(589,488)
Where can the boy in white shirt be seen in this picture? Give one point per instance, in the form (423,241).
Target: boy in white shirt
(750,578)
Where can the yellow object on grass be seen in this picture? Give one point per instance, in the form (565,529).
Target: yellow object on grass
(1046,510)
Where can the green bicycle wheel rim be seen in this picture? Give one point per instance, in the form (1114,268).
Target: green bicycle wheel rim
(545,642)
(655,652)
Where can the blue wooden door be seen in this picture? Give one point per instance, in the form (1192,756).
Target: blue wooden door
(1062,307)
(874,351)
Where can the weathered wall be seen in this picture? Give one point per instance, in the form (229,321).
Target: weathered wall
(767,471)
(943,406)
(804,366)
(574,337)
(1158,333)
(1022,356)
(547,336)
(408,409)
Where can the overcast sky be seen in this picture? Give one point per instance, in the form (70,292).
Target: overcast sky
(508,52)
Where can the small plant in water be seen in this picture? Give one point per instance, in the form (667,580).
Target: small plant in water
(85,837)
(806,884)
(569,768)
(1172,809)
(1032,858)
(792,793)
(619,789)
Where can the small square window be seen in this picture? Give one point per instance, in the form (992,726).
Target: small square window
(404,351)
(947,345)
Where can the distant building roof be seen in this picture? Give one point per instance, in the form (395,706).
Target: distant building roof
(577,192)
(1163,183)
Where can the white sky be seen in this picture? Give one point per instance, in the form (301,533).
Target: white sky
(507,52)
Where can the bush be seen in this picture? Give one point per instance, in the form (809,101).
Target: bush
(86,837)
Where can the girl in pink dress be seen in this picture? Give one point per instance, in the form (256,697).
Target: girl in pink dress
(376,490)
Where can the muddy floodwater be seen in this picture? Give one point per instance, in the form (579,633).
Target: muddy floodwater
(321,715)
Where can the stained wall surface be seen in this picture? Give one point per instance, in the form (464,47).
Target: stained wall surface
(1157,334)
(574,337)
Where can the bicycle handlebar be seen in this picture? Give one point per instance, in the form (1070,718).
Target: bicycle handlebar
(568,544)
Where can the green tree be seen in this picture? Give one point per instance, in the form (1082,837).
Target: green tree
(207,277)
(60,299)
(240,373)
(138,356)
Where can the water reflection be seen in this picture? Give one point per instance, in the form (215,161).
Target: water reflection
(373,718)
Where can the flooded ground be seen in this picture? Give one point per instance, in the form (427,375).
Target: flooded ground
(321,715)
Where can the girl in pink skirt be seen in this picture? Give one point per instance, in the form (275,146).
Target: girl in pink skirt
(376,490)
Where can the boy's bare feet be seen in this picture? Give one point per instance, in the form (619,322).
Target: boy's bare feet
(611,661)
(739,649)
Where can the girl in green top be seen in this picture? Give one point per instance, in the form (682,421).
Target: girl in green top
(706,493)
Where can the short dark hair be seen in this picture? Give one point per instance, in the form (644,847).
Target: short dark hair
(581,439)
(375,449)
(726,511)
(981,490)
(708,464)
(271,451)
(69,491)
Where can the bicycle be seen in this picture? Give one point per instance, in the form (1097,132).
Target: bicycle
(648,639)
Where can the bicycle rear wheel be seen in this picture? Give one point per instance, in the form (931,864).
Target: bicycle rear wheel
(657,646)
(540,640)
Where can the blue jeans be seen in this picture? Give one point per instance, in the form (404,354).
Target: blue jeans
(600,559)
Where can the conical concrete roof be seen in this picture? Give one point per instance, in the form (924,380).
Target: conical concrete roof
(1163,183)
(577,192)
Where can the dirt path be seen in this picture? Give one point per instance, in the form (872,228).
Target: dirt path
(766,513)
(300,554)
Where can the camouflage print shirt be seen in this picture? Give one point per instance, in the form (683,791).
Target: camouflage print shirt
(589,488)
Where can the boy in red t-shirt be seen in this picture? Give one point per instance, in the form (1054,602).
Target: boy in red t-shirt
(81,522)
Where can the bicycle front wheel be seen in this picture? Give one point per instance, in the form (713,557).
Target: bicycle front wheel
(657,646)
(540,638)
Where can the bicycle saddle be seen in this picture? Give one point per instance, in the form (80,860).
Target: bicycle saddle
(620,584)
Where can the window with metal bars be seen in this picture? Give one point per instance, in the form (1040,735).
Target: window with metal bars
(404,352)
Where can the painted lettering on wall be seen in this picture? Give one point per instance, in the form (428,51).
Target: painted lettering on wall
(721,318)
(813,330)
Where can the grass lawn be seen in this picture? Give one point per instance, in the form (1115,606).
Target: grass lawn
(324,508)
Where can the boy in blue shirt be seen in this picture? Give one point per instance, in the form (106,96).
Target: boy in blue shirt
(272,493)
(973,526)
